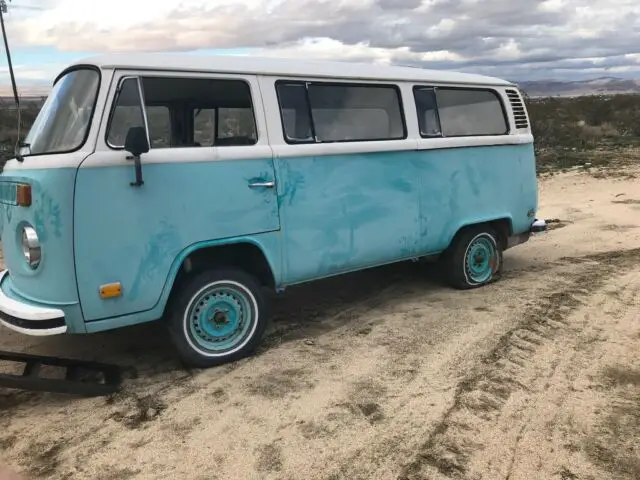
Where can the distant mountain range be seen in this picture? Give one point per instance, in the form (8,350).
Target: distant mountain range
(597,86)
(6,101)
(538,88)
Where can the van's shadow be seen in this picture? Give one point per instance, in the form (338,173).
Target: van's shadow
(301,312)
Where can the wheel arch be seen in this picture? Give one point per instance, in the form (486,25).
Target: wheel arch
(246,253)
(503,225)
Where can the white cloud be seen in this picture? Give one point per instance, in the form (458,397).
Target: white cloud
(509,50)
(521,37)
(31,80)
(110,14)
(551,6)
(329,49)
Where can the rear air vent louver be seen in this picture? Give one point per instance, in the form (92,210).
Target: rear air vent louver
(517,105)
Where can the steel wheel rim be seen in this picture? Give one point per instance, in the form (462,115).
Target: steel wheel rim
(480,259)
(220,318)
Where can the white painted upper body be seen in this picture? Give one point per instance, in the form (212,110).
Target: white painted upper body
(261,75)
(239,64)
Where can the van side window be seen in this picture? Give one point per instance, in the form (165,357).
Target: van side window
(329,112)
(204,126)
(235,122)
(126,114)
(221,126)
(462,112)
(428,119)
(159,121)
(294,109)
(470,112)
(187,112)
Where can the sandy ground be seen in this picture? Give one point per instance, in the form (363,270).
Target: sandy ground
(385,374)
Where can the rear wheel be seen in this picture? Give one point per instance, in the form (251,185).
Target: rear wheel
(218,316)
(474,258)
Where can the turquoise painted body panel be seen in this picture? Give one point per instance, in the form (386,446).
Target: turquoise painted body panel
(339,213)
(465,186)
(53,283)
(269,243)
(134,235)
(345,212)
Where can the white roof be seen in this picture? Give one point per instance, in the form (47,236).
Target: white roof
(284,67)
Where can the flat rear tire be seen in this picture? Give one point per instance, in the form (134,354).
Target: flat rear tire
(474,258)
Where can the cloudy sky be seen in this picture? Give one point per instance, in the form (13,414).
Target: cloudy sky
(515,39)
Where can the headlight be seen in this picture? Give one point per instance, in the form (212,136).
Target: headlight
(31,246)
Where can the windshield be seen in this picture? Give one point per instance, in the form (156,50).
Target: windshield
(63,121)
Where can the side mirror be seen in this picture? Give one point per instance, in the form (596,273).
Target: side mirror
(136,142)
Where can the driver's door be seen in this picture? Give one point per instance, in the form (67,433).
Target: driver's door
(194,189)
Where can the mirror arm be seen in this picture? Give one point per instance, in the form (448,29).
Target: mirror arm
(138,167)
(137,143)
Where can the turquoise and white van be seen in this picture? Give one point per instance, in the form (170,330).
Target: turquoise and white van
(180,188)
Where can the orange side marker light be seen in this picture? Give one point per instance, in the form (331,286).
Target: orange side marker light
(23,195)
(110,290)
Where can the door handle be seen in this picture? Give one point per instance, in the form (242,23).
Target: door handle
(262,184)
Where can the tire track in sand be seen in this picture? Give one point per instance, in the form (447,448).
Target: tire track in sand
(482,394)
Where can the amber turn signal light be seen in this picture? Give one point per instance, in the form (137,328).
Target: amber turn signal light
(23,195)
(110,290)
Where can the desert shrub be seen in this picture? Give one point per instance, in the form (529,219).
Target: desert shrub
(563,127)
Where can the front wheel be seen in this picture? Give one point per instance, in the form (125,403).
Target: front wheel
(474,258)
(217,317)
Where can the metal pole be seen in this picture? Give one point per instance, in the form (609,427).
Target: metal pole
(3,10)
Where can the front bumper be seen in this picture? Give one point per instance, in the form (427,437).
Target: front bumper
(537,227)
(27,318)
